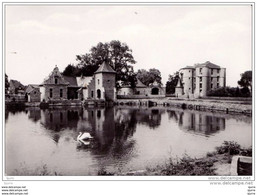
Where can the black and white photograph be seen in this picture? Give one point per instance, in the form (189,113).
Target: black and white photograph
(128,90)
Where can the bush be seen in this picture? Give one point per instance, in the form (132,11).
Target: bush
(229,147)
(230,92)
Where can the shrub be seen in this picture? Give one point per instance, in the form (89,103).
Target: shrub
(229,147)
(229,92)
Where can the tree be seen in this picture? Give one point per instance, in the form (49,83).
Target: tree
(7,84)
(148,77)
(246,80)
(71,70)
(118,55)
(172,83)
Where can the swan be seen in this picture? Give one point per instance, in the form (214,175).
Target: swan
(84,136)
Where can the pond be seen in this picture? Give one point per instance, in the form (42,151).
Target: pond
(124,138)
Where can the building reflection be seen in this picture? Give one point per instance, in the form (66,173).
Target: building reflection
(198,122)
(34,113)
(112,127)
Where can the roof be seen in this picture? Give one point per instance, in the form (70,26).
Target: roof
(31,88)
(71,80)
(188,67)
(16,84)
(140,84)
(207,64)
(106,68)
(55,73)
(83,81)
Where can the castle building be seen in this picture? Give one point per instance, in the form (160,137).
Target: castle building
(100,86)
(196,81)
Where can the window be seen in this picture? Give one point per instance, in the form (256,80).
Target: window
(55,80)
(200,70)
(98,81)
(108,81)
(92,94)
(218,71)
(211,85)
(218,85)
(211,79)
(211,71)
(189,70)
(218,79)
(201,79)
(200,86)
(61,93)
(51,93)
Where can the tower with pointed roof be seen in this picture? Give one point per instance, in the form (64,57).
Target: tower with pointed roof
(105,83)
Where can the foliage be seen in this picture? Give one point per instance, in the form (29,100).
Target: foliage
(103,172)
(246,80)
(188,166)
(7,84)
(148,77)
(118,55)
(171,83)
(229,92)
(229,147)
(71,70)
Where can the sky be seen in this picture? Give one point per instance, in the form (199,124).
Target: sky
(165,37)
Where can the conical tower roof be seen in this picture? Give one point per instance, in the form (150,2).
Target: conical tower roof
(179,83)
(105,68)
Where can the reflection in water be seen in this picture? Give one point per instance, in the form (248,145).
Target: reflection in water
(198,122)
(121,135)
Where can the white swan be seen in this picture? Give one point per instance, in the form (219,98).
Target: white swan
(84,136)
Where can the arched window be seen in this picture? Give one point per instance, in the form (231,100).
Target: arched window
(155,91)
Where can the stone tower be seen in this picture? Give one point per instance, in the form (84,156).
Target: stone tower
(105,83)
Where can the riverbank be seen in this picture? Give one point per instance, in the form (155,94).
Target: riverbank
(226,105)
(214,163)
(239,106)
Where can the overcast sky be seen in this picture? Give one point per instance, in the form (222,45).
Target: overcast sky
(163,37)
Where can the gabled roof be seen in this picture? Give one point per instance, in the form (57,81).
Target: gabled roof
(31,88)
(140,84)
(52,75)
(71,80)
(84,81)
(16,84)
(106,68)
(207,64)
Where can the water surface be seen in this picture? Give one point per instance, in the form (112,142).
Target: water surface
(125,138)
